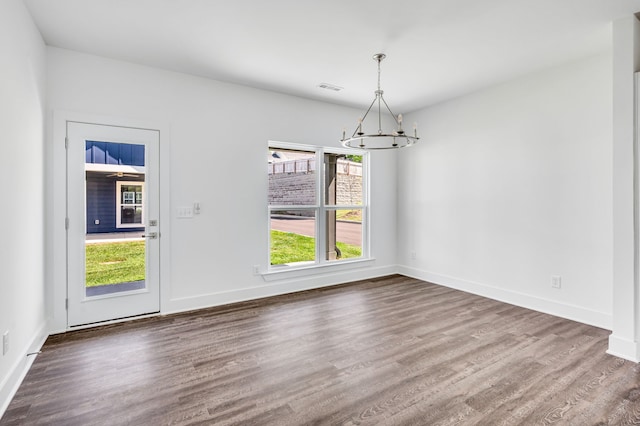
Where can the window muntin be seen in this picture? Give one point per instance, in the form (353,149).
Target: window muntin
(330,210)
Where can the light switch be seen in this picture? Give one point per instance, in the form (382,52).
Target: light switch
(185,212)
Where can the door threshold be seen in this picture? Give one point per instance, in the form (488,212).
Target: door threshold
(113,321)
(115,289)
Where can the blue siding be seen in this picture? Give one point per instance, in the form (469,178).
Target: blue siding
(114,153)
(101,204)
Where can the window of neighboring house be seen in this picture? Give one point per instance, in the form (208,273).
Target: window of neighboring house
(129,208)
(317,205)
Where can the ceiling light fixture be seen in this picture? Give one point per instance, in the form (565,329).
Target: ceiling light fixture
(380,140)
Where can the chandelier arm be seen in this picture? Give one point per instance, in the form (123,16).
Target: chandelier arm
(379,97)
(355,132)
(390,112)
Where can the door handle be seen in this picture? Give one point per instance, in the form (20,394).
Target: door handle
(150,235)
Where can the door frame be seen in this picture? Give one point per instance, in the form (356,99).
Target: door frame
(56,203)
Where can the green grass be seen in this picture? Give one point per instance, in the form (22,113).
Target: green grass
(113,263)
(349,251)
(287,247)
(350,215)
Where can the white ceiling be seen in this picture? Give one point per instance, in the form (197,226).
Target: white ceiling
(436,49)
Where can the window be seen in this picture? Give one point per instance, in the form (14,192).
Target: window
(317,205)
(129,208)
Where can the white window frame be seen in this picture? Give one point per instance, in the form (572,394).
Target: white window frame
(320,208)
(119,204)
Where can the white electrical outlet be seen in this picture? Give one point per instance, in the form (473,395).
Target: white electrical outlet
(5,342)
(256,269)
(413,255)
(556,281)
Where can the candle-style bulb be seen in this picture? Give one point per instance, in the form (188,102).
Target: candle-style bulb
(400,131)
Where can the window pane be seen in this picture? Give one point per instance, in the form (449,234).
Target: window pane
(343,234)
(131,194)
(137,217)
(130,215)
(292,177)
(343,179)
(292,236)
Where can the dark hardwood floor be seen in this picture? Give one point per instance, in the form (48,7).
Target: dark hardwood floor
(393,351)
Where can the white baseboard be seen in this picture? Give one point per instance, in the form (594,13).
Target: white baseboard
(552,307)
(275,289)
(623,348)
(17,373)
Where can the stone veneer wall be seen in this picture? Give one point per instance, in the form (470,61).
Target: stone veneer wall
(299,188)
(292,188)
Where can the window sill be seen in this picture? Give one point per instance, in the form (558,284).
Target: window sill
(303,271)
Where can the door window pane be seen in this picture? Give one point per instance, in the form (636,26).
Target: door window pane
(115,259)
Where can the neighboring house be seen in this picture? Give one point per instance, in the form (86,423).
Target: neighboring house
(115,187)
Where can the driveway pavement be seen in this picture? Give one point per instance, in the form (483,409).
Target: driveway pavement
(113,237)
(346,232)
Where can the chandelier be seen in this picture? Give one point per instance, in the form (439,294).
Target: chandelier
(397,138)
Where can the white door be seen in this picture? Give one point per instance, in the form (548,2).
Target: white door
(113,225)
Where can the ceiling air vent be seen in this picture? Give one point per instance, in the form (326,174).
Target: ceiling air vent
(330,87)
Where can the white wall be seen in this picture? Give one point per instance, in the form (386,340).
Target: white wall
(512,185)
(213,132)
(22,291)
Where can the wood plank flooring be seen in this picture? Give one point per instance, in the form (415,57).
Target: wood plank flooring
(389,351)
